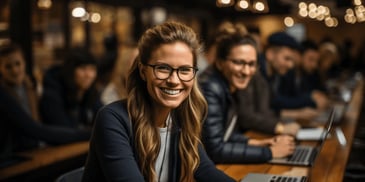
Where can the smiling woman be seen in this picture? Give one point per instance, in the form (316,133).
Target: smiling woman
(165,85)
(154,135)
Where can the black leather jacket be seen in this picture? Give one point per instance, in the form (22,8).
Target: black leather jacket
(221,108)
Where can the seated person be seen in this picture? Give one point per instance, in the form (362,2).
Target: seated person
(301,87)
(277,59)
(255,112)
(20,127)
(154,135)
(235,64)
(69,97)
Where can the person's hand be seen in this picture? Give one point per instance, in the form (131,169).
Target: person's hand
(282,146)
(291,128)
(320,99)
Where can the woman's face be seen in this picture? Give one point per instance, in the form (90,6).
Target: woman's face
(170,92)
(12,68)
(239,66)
(85,76)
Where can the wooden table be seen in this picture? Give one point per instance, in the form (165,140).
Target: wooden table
(329,165)
(45,157)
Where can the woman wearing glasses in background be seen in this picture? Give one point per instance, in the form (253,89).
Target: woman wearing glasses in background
(154,135)
(235,65)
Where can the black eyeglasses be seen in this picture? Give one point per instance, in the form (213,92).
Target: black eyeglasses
(164,71)
(252,64)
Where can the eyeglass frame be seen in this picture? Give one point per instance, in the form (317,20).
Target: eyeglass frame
(153,66)
(243,63)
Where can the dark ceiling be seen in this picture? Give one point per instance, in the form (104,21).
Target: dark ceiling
(276,6)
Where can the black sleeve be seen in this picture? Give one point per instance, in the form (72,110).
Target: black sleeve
(236,149)
(111,144)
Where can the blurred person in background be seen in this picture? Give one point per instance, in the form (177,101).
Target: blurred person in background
(302,87)
(225,27)
(116,88)
(20,126)
(70,98)
(280,56)
(329,60)
(256,113)
(232,70)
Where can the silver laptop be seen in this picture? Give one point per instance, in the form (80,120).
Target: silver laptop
(315,133)
(305,155)
(340,110)
(257,177)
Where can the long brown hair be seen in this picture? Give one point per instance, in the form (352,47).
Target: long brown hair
(190,113)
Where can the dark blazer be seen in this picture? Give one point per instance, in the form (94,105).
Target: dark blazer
(254,107)
(112,154)
(221,108)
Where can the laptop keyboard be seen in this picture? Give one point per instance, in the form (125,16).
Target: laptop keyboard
(299,155)
(288,179)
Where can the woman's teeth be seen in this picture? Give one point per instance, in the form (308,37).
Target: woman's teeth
(171,92)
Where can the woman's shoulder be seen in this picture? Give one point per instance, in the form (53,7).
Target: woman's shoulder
(114,113)
(118,107)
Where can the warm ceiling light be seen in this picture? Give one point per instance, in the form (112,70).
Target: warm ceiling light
(357,2)
(303,12)
(288,21)
(320,17)
(302,5)
(259,6)
(327,11)
(95,17)
(78,12)
(243,4)
(312,14)
(312,6)
(329,22)
(321,9)
(226,2)
(349,11)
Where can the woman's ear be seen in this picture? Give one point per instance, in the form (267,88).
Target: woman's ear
(141,71)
